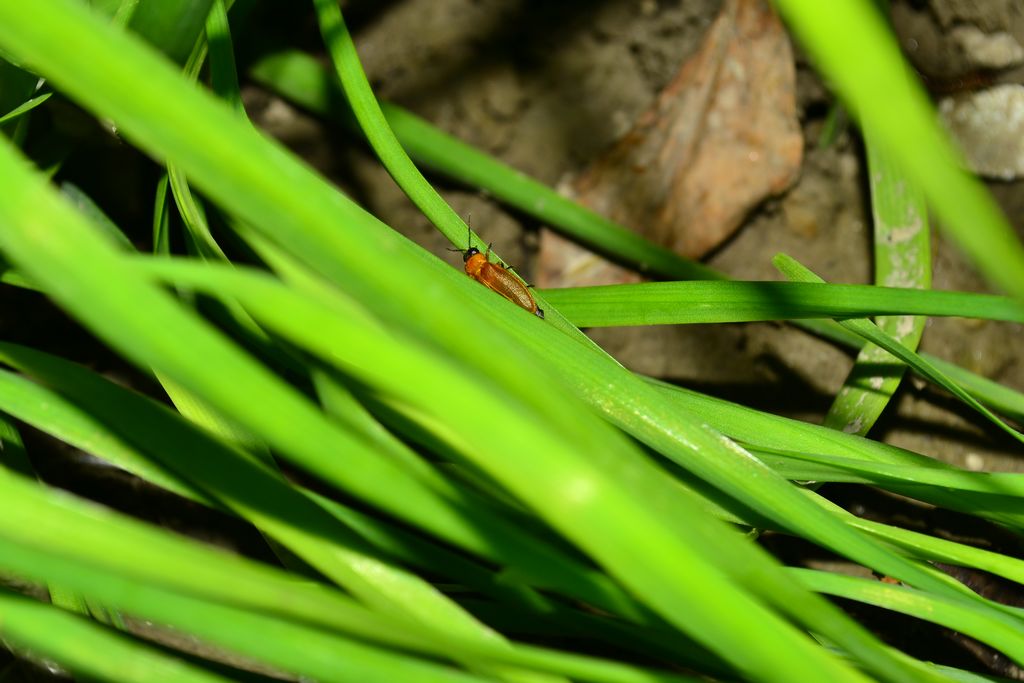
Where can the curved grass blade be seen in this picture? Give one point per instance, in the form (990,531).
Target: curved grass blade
(870,332)
(25,107)
(364,105)
(301,79)
(902,259)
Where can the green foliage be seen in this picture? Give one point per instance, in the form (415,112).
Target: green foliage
(437,471)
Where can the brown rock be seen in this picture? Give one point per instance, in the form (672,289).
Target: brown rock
(721,137)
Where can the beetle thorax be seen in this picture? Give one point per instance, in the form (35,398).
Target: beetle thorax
(475,263)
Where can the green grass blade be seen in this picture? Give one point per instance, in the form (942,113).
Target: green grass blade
(223,73)
(902,259)
(870,332)
(88,649)
(861,59)
(674,303)
(367,112)
(773,433)
(304,81)
(44,410)
(256,495)
(1005,633)
(25,107)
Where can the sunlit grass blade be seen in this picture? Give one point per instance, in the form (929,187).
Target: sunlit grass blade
(42,409)
(366,110)
(225,598)
(261,498)
(25,107)
(902,259)
(773,433)
(870,332)
(1004,634)
(674,303)
(807,466)
(882,93)
(88,648)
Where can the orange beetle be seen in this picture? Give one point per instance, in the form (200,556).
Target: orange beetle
(498,278)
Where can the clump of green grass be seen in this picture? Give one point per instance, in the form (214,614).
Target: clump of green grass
(460,474)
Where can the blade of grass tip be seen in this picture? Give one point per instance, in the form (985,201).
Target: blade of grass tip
(66,19)
(902,259)
(794,270)
(88,208)
(304,81)
(189,208)
(936,549)
(25,107)
(87,649)
(161,218)
(858,53)
(804,466)
(17,86)
(125,12)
